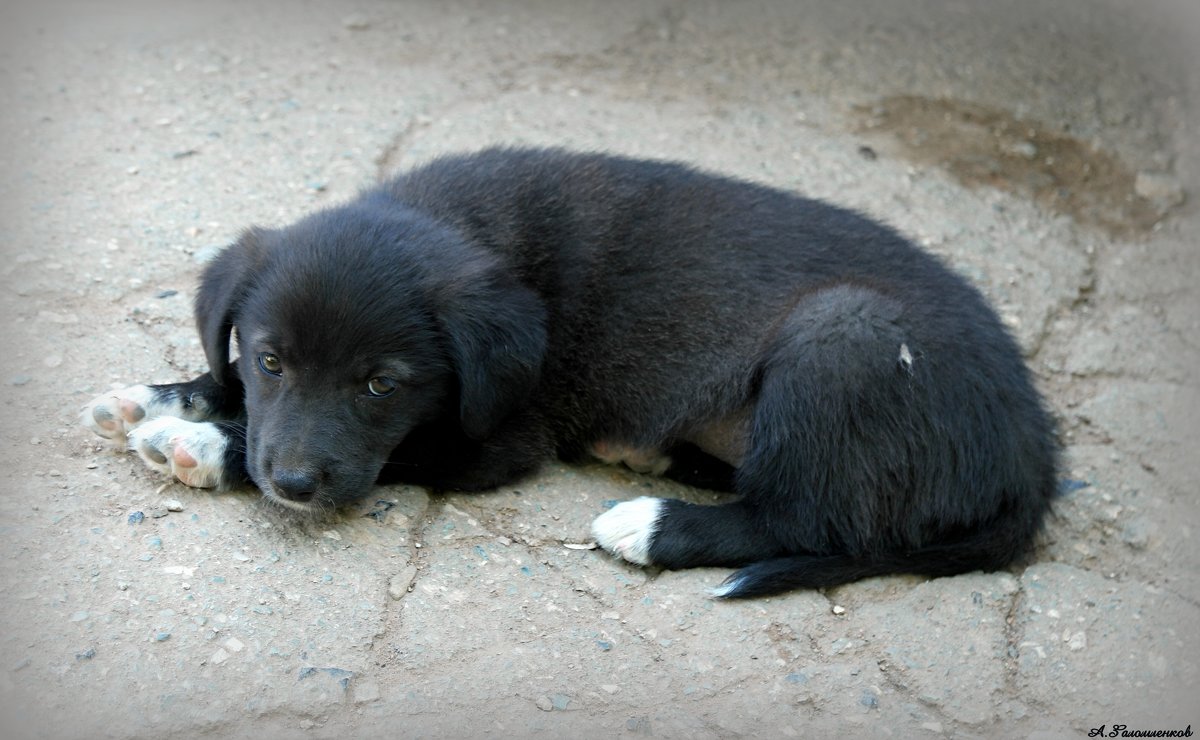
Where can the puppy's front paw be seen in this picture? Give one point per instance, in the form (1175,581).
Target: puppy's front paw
(115,414)
(627,529)
(193,452)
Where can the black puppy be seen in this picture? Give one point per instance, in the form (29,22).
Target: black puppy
(460,324)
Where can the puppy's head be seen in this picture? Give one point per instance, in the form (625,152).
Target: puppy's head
(354,327)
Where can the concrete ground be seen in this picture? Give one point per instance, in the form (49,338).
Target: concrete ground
(1046,148)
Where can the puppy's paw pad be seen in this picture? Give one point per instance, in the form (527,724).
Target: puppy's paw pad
(627,529)
(180,456)
(192,452)
(115,414)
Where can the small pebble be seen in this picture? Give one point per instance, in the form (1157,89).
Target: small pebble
(1159,187)
(1024,149)
(1070,485)
(399,584)
(86,654)
(839,610)
(161,636)
(136,517)
(356,22)
(79,616)
(1137,533)
(19,380)
(173,505)
(365,693)
(840,645)
(543,703)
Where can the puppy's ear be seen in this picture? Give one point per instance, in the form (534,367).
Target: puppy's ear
(496,329)
(222,288)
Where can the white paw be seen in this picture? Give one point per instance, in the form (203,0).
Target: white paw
(627,529)
(115,414)
(193,452)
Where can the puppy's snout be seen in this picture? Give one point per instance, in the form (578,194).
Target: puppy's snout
(294,485)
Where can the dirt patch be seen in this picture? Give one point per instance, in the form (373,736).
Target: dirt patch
(989,146)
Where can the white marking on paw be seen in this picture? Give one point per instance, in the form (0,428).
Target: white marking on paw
(627,529)
(115,414)
(193,452)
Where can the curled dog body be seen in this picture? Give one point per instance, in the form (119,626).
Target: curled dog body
(464,322)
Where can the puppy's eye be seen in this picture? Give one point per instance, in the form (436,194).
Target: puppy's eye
(380,387)
(270,364)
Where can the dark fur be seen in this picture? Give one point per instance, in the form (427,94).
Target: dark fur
(534,303)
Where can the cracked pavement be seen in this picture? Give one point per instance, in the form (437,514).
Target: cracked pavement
(140,138)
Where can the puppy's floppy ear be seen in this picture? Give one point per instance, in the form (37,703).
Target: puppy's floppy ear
(222,288)
(496,331)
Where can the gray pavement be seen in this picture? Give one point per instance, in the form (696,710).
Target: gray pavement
(1048,150)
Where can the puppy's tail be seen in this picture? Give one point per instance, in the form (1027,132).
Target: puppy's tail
(987,549)
(798,571)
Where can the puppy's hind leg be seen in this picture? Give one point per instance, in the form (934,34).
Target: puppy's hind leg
(822,446)
(676,534)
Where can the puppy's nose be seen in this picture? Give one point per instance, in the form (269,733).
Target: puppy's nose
(294,485)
